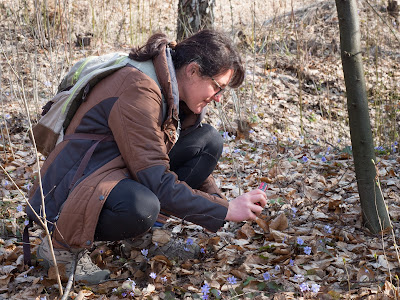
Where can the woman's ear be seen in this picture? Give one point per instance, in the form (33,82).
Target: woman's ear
(192,69)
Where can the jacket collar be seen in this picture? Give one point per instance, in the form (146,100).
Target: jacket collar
(166,75)
(167,78)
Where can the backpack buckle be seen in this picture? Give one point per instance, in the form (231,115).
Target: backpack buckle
(85,91)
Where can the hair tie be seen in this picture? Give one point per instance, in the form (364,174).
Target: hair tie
(172,45)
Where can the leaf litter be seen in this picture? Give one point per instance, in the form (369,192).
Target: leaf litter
(309,241)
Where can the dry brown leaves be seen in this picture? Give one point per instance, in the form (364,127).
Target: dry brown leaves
(310,235)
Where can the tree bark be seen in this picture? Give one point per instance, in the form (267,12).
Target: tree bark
(194,15)
(374,211)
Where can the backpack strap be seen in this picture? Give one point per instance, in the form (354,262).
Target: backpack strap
(78,174)
(85,160)
(26,245)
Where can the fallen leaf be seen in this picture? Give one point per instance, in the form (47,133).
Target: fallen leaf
(279,236)
(263,224)
(365,274)
(246,231)
(161,237)
(280,223)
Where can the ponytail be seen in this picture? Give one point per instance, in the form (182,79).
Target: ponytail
(152,48)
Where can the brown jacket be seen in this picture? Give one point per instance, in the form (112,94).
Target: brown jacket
(128,106)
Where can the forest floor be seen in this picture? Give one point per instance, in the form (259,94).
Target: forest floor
(286,127)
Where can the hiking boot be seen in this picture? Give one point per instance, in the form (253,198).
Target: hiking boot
(138,243)
(160,242)
(85,270)
(177,249)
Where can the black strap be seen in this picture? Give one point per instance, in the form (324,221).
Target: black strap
(85,160)
(78,174)
(26,246)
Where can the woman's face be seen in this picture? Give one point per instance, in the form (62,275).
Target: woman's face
(196,90)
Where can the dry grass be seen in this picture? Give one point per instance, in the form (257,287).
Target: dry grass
(293,99)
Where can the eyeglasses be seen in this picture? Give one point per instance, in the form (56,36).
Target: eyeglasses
(222,91)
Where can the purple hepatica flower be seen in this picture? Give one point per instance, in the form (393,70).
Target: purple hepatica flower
(132,293)
(307,250)
(26,222)
(328,229)
(144,252)
(202,250)
(124,294)
(133,283)
(266,276)
(164,279)
(277,268)
(294,210)
(189,242)
(225,135)
(291,262)
(305,159)
(299,241)
(153,275)
(298,277)
(101,251)
(304,287)
(232,280)
(315,288)
(205,289)
(323,159)
(19,208)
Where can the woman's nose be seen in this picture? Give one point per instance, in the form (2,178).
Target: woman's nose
(217,98)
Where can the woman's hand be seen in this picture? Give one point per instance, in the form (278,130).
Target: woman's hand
(245,207)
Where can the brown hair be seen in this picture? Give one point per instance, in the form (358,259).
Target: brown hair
(212,50)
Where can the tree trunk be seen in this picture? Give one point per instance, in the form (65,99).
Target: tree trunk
(374,212)
(394,11)
(194,15)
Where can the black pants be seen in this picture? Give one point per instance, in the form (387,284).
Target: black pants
(131,209)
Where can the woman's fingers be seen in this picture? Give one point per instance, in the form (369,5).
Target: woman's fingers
(258,197)
(247,206)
